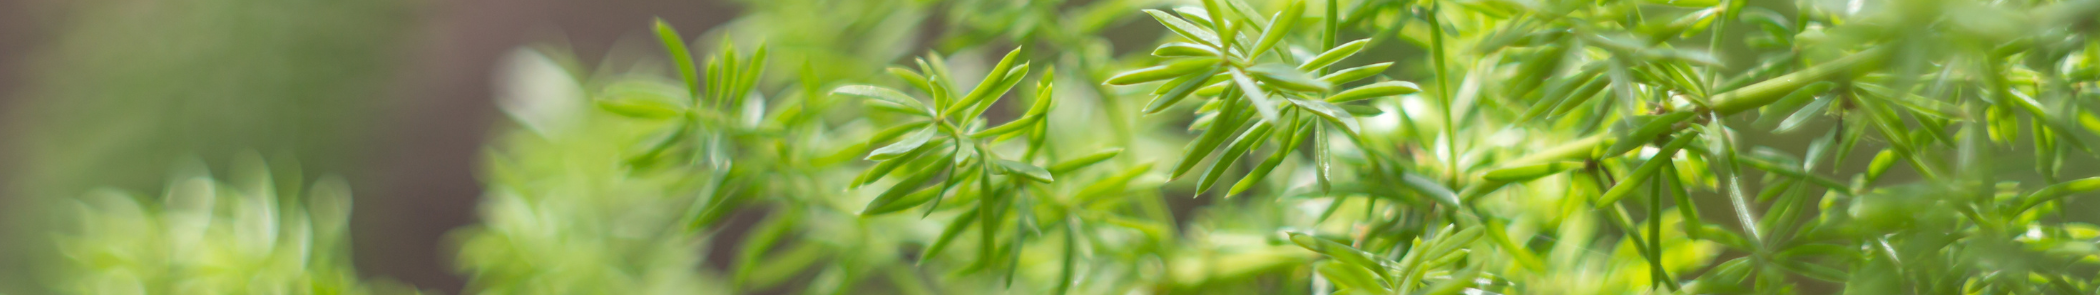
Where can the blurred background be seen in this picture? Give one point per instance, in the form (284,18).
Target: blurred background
(394,95)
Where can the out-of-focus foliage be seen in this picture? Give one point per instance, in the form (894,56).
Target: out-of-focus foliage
(122,91)
(563,213)
(261,232)
(1359,147)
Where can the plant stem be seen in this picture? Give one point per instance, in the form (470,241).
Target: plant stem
(1443,93)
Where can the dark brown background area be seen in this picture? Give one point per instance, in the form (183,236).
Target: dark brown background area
(416,179)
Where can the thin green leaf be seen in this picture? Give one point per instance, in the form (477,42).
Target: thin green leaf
(1209,141)
(1024,170)
(1380,89)
(908,144)
(1362,110)
(1802,115)
(1112,186)
(1262,171)
(641,108)
(1356,73)
(1162,72)
(2058,191)
(1184,49)
(909,76)
(883,94)
(1436,191)
(1771,114)
(1351,277)
(674,45)
(1277,28)
(1334,55)
(1181,88)
(1288,78)
(1183,28)
(1333,114)
(907,193)
(1082,161)
(1645,171)
(1245,142)
(1255,95)
(1340,252)
(1525,173)
(1656,126)
(1022,123)
(995,82)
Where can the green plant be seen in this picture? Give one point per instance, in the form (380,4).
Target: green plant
(252,235)
(1550,146)
(1345,147)
(113,95)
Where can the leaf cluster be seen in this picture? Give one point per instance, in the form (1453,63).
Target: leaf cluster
(1445,147)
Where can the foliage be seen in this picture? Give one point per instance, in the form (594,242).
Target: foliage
(250,235)
(114,94)
(1497,146)
(1371,147)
